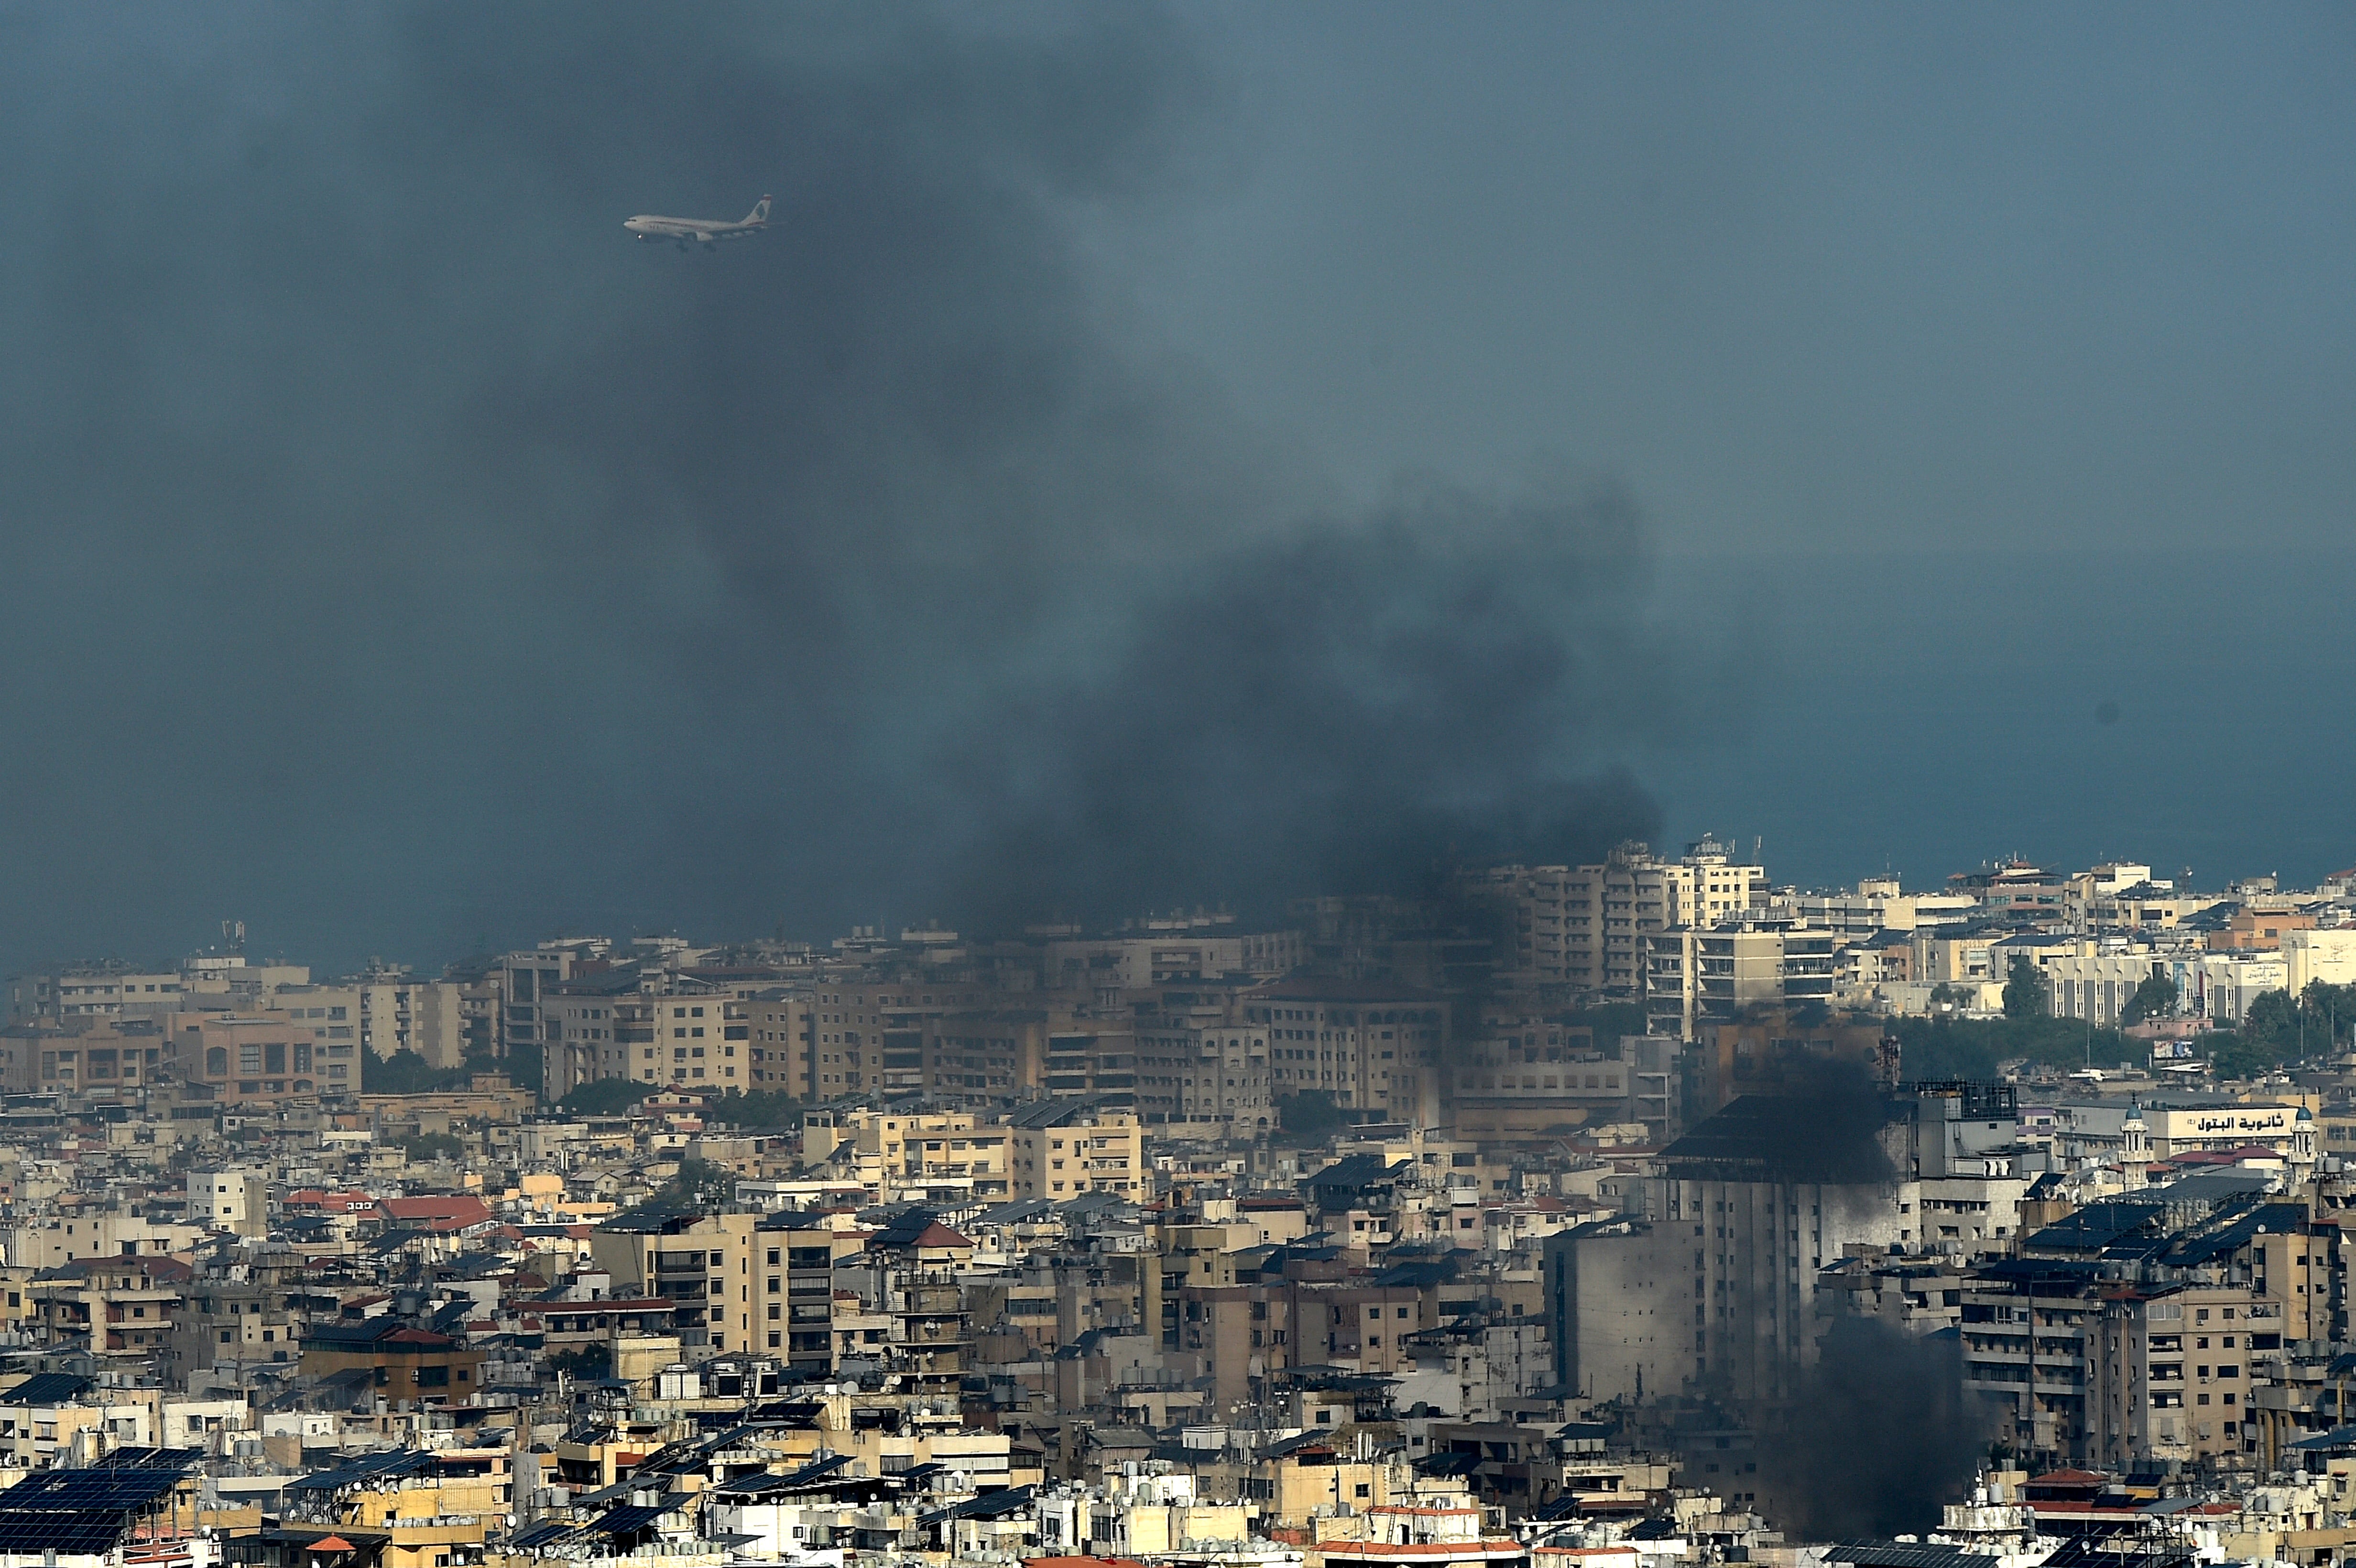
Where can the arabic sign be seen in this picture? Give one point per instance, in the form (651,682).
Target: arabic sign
(2264,1122)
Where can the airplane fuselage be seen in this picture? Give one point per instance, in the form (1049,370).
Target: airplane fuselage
(647,225)
(686,232)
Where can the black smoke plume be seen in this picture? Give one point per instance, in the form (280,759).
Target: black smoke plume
(399,554)
(1341,709)
(1880,1434)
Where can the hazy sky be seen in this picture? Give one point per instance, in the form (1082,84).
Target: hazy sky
(1907,277)
(1154,455)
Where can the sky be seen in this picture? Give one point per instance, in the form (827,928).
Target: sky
(1165,455)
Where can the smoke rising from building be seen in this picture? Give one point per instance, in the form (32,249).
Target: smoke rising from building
(1879,1435)
(401,553)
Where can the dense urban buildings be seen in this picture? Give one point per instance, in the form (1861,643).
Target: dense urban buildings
(1529,1226)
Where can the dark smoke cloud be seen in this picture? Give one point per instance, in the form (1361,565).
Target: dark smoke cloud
(1881,1436)
(1341,709)
(397,555)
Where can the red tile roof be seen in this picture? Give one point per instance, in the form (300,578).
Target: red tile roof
(440,1211)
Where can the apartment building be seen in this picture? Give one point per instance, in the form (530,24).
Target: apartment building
(237,1059)
(1586,927)
(1136,962)
(82,1055)
(829,1040)
(795,1268)
(427,1016)
(1061,1150)
(981,1055)
(700,1262)
(1694,977)
(233,1201)
(524,977)
(1514,1085)
(1714,1281)
(91,991)
(890,1153)
(1199,1062)
(592,1027)
(1374,1048)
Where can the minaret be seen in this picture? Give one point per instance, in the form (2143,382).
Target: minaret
(2302,1143)
(2135,1147)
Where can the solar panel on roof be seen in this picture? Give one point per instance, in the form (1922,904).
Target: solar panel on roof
(74,1534)
(628,1518)
(392,1461)
(817,1469)
(45,1388)
(89,1489)
(1905,1554)
(87,1510)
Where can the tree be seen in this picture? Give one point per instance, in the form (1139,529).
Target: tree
(1945,1046)
(433,1146)
(2155,998)
(2024,990)
(605,1097)
(761,1108)
(593,1360)
(2235,1055)
(2329,1011)
(2273,1025)
(405,1073)
(701,1182)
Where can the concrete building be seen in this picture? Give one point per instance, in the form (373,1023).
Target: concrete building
(1062,1149)
(1586,927)
(423,1016)
(2219,986)
(1374,1048)
(2328,955)
(233,1201)
(110,1056)
(235,1059)
(1693,978)
(524,977)
(1136,962)
(1199,1063)
(1712,1287)
(2097,980)
(91,991)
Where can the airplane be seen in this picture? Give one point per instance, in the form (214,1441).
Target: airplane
(647,225)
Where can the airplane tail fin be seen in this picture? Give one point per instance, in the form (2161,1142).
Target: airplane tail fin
(759,214)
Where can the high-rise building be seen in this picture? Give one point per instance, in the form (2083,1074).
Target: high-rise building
(1585,927)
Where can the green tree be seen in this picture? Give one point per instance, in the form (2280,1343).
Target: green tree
(2274,1028)
(699,1180)
(594,1361)
(1945,1046)
(2232,1054)
(605,1097)
(433,1146)
(406,1072)
(2024,990)
(2155,998)
(761,1108)
(2331,1014)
